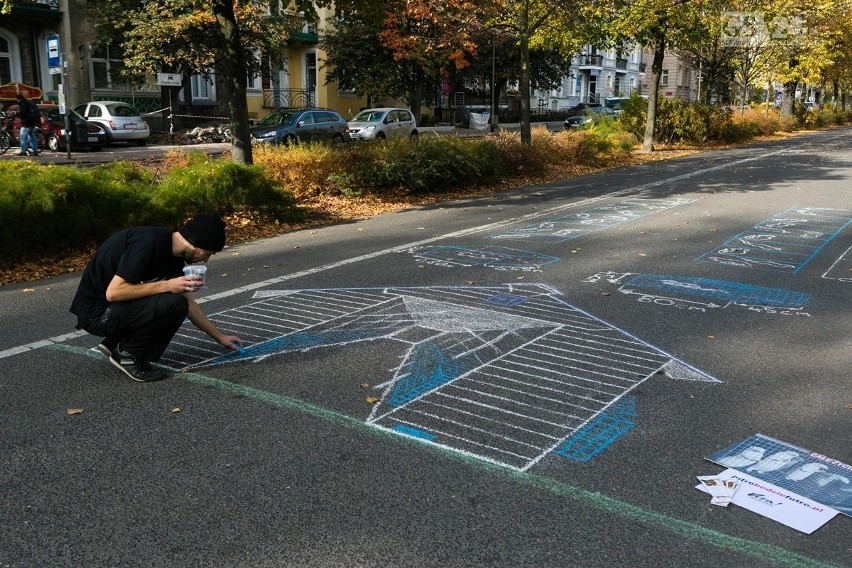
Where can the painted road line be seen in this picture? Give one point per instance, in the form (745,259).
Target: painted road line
(766,553)
(474,230)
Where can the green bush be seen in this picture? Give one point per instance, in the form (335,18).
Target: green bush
(63,205)
(43,206)
(219,185)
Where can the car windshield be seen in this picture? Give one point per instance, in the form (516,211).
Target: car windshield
(369,116)
(277,118)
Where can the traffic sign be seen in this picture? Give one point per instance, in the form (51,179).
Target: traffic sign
(54,56)
(169,79)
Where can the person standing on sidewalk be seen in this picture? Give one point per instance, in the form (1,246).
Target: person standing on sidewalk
(30,119)
(134,294)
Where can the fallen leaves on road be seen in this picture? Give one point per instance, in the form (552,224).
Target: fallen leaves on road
(74,411)
(372,400)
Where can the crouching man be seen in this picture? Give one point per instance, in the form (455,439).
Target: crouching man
(134,294)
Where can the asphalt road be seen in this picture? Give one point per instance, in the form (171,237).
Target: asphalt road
(529,379)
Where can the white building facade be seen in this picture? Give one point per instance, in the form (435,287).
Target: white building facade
(595,75)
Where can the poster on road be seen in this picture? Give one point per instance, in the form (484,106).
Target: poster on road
(819,478)
(792,485)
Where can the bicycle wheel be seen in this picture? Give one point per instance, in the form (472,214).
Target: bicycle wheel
(5,142)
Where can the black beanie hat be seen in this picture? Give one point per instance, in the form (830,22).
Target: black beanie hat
(205,231)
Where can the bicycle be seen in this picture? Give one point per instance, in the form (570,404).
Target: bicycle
(7,136)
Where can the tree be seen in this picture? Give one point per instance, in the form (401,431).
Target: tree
(661,25)
(362,55)
(421,30)
(224,38)
(358,59)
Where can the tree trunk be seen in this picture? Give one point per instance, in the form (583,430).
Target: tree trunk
(653,95)
(789,98)
(524,85)
(234,76)
(417,99)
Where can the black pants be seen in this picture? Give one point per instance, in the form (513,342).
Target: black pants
(144,327)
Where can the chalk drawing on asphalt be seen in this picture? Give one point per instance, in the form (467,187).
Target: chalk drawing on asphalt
(506,374)
(785,242)
(590,220)
(842,268)
(498,258)
(702,294)
(599,433)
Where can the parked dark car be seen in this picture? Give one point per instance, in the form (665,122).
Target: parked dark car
(294,125)
(592,115)
(584,108)
(51,132)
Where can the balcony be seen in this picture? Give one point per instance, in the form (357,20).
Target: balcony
(34,9)
(591,62)
(621,65)
(283,98)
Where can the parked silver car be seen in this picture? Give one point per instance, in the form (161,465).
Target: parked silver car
(382,123)
(294,125)
(120,121)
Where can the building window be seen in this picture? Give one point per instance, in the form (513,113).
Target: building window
(9,70)
(664,77)
(5,62)
(203,89)
(106,63)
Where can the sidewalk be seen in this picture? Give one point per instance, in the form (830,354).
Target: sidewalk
(153,151)
(116,153)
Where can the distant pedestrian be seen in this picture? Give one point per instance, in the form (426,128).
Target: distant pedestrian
(134,294)
(30,120)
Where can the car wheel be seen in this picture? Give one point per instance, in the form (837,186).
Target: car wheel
(53,143)
(291,139)
(413,135)
(380,136)
(337,138)
(142,142)
(108,139)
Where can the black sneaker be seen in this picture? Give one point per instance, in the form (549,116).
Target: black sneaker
(136,368)
(107,346)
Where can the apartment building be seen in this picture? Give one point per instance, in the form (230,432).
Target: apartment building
(90,70)
(594,76)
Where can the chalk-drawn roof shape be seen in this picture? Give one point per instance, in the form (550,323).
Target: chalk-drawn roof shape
(504,373)
(451,317)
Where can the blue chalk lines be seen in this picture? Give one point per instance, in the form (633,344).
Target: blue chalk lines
(702,294)
(785,242)
(590,220)
(599,433)
(498,258)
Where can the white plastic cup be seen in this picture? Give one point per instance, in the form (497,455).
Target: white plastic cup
(198,271)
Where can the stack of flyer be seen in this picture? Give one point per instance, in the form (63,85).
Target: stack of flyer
(721,490)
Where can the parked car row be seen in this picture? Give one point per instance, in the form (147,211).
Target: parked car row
(92,125)
(51,132)
(295,125)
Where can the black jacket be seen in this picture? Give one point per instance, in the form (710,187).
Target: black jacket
(29,113)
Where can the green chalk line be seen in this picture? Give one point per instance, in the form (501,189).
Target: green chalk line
(767,553)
